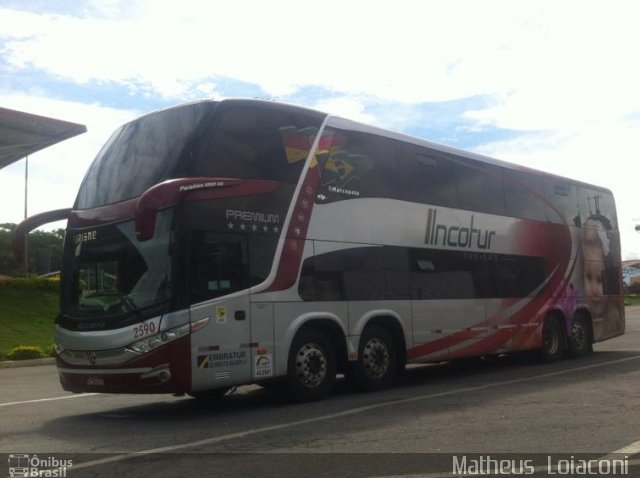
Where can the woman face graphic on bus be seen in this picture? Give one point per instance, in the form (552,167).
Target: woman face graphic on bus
(596,254)
(595,249)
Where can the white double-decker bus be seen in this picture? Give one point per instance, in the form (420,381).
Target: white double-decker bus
(217,244)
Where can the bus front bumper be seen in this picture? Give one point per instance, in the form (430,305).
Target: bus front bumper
(166,369)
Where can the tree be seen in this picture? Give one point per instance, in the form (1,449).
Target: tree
(38,241)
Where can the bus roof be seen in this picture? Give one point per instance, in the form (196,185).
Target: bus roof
(345,123)
(340,122)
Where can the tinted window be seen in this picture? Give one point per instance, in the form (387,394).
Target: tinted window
(438,274)
(259,143)
(222,263)
(142,153)
(524,195)
(365,273)
(321,278)
(441,179)
(443,275)
(480,187)
(562,203)
(595,203)
(358,165)
(378,273)
(219,265)
(511,276)
(427,177)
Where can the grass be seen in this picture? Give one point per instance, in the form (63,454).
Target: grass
(26,318)
(632,299)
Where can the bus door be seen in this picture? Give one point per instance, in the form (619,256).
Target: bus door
(218,290)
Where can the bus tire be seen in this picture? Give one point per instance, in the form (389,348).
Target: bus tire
(377,364)
(579,340)
(552,340)
(311,369)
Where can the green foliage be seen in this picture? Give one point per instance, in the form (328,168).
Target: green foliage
(37,240)
(26,352)
(48,284)
(632,299)
(27,316)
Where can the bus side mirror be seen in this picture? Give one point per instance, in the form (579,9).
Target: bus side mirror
(174,191)
(29,224)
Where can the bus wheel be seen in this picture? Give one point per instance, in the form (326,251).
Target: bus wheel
(311,370)
(579,342)
(552,345)
(377,366)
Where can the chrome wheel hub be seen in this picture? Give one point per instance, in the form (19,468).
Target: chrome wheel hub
(375,358)
(578,335)
(311,365)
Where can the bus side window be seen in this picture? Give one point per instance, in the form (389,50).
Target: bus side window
(425,177)
(218,265)
(321,278)
(561,202)
(524,195)
(440,274)
(358,165)
(255,143)
(480,187)
(593,203)
(361,273)
(364,274)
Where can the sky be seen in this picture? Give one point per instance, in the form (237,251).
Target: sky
(551,85)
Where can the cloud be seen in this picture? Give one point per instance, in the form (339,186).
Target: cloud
(549,84)
(346,107)
(413,51)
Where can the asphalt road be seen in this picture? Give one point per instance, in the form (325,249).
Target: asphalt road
(509,408)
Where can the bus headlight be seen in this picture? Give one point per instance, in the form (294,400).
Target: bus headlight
(147,345)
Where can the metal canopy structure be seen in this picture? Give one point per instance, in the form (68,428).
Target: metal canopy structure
(22,134)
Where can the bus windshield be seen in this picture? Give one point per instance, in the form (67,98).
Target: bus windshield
(111,275)
(236,140)
(141,154)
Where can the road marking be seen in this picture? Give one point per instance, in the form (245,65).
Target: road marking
(620,454)
(80,395)
(628,450)
(344,413)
